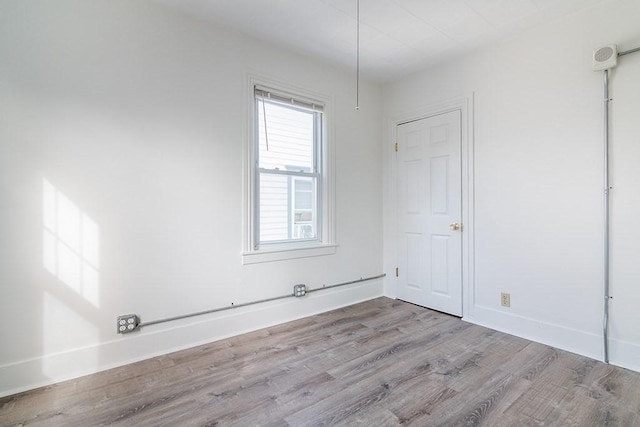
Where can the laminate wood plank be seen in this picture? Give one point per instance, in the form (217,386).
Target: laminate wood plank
(381,337)
(143,408)
(534,403)
(343,406)
(504,420)
(578,409)
(418,399)
(498,349)
(263,397)
(610,384)
(387,318)
(438,322)
(372,362)
(209,354)
(481,408)
(517,388)
(69,401)
(472,405)
(461,371)
(356,395)
(291,399)
(382,362)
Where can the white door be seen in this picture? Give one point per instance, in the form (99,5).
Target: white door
(429,212)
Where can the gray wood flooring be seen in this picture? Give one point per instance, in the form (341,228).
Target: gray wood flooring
(378,363)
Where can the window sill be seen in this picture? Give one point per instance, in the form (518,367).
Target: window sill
(284,254)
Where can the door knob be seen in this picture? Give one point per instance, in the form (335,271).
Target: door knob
(454,226)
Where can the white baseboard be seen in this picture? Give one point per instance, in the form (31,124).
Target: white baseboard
(558,336)
(156,340)
(621,353)
(624,354)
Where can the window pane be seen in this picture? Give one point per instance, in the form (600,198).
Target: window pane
(287,208)
(304,198)
(304,193)
(286,136)
(274,210)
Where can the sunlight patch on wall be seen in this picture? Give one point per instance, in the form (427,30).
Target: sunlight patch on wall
(71,242)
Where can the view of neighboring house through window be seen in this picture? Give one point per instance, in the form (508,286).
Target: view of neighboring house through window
(288,170)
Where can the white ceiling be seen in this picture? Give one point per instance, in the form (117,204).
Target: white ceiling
(397,37)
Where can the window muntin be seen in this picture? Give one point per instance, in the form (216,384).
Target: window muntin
(288,169)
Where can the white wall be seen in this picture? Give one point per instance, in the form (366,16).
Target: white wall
(135,118)
(538,180)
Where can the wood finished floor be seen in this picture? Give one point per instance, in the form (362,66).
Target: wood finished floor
(378,363)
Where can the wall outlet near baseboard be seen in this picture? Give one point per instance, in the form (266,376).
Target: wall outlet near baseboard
(128,323)
(299,290)
(505,299)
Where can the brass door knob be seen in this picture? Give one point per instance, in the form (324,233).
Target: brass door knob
(454,226)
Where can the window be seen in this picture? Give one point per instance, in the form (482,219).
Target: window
(289,182)
(288,137)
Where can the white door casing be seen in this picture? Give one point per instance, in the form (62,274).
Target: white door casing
(429,212)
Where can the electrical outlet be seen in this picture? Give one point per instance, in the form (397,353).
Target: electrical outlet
(128,323)
(505,299)
(299,290)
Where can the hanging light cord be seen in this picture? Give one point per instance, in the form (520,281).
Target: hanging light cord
(357,54)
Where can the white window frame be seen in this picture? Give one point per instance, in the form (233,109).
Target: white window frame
(276,251)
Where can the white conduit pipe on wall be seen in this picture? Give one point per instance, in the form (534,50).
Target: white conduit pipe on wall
(131,322)
(605,323)
(607,189)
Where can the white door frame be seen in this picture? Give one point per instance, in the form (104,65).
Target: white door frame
(463,104)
